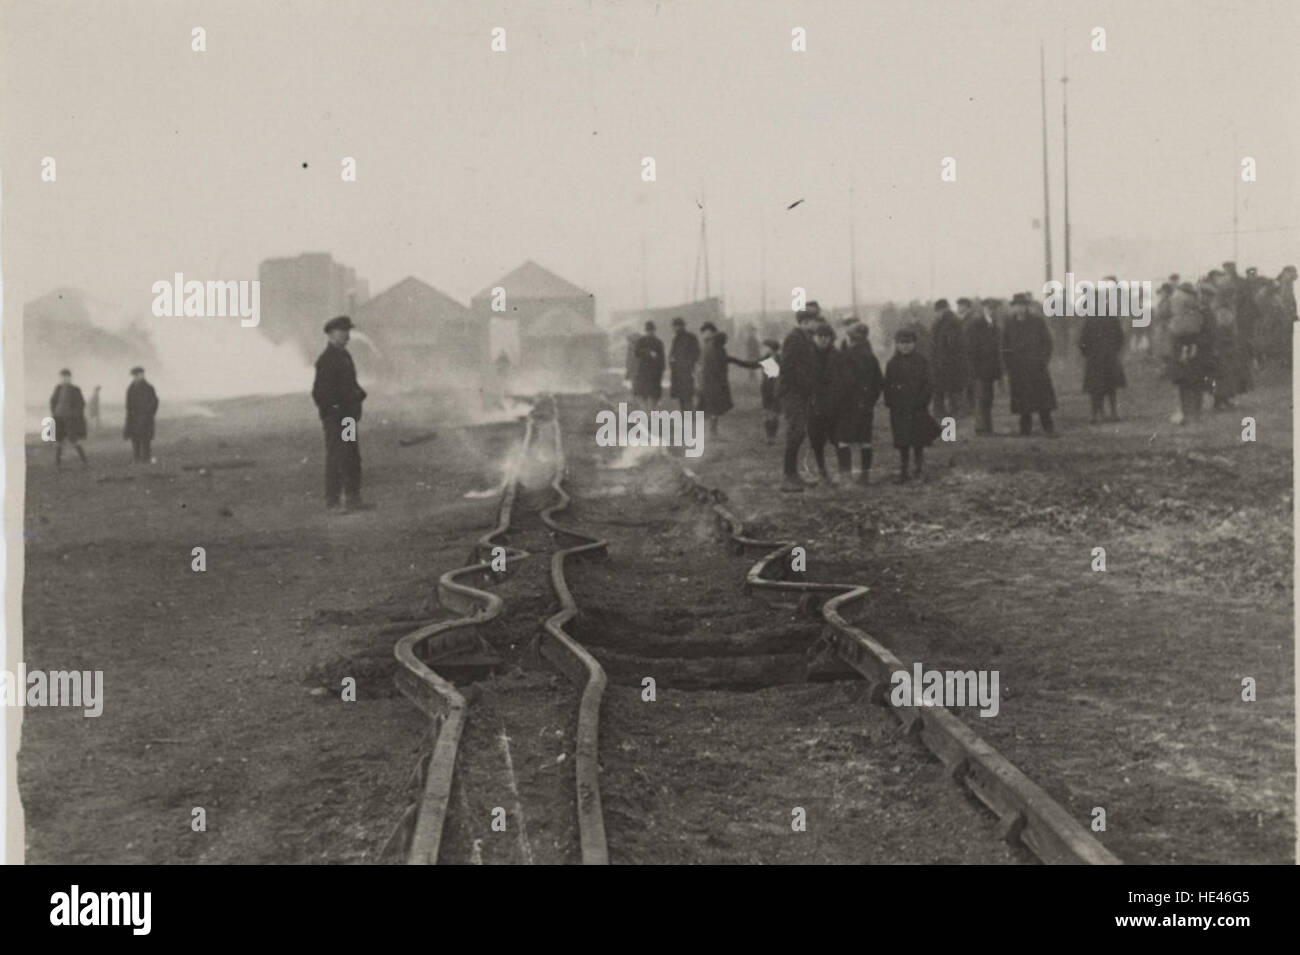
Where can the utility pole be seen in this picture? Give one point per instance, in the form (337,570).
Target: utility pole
(1047,194)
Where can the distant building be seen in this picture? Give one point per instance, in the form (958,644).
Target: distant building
(418,337)
(66,327)
(300,294)
(528,293)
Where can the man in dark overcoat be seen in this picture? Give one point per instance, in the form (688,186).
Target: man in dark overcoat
(141,408)
(1026,350)
(683,355)
(647,383)
(857,392)
(948,356)
(68,409)
(338,398)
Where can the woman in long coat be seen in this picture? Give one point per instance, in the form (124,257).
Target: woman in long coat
(861,382)
(715,389)
(1101,341)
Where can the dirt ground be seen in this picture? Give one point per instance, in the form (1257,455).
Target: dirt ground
(223,689)
(1120,689)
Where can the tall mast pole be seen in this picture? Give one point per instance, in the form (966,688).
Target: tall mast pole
(1047,194)
(1065,150)
(1235,176)
(853,252)
(762,265)
(645,282)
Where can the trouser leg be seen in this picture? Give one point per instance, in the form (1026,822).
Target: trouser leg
(333,458)
(818,433)
(844,458)
(796,429)
(1026,423)
(985,401)
(351,466)
(1045,418)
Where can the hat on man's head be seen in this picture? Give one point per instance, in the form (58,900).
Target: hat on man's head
(905,335)
(805,314)
(137,370)
(858,331)
(1020,298)
(814,307)
(342,321)
(679,322)
(962,302)
(823,330)
(649,326)
(708,327)
(940,305)
(64,371)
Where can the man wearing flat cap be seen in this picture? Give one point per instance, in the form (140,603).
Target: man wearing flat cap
(338,397)
(141,408)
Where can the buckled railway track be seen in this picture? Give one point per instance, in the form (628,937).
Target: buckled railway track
(1027,814)
(462,591)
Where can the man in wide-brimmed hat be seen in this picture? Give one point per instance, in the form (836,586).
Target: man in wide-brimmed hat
(338,397)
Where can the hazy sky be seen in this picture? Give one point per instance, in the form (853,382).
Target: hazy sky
(471,161)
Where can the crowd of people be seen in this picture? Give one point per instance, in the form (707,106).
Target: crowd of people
(1211,337)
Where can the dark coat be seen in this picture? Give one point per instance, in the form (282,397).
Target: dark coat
(858,390)
(984,349)
(141,406)
(73,424)
(827,382)
(1026,350)
(948,348)
(683,355)
(907,395)
(1102,340)
(649,377)
(715,389)
(335,390)
(797,369)
(1190,361)
(767,389)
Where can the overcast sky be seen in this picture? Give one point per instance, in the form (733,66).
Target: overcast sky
(471,161)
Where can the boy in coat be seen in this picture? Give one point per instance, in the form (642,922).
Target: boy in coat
(907,395)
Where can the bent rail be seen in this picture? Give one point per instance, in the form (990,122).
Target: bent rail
(1027,814)
(579,665)
(438,697)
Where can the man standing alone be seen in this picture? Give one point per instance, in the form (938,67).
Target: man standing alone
(338,398)
(141,407)
(68,408)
